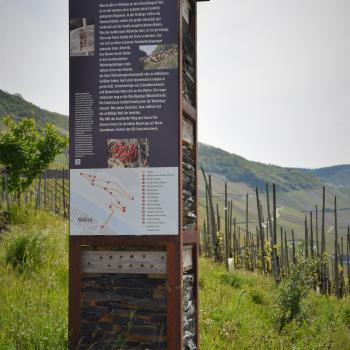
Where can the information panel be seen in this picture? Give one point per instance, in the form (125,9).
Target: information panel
(124,117)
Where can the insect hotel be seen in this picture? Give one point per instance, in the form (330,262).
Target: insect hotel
(133,245)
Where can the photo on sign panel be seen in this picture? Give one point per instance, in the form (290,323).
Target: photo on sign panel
(158,56)
(128,153)
(82,37)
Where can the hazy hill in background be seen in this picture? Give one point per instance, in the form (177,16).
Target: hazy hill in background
(17,107)
(239,169)
(338,175)
(299,190)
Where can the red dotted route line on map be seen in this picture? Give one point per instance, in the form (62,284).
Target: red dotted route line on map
(109,187)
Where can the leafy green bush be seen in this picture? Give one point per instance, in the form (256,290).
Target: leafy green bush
(219,316)
(3,221)
(230,279)
(256,296)
(294,289)
(345,315)
(24,150)
(201,282)
(24,252)
(19,216)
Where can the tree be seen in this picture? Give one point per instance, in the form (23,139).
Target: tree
(26,152)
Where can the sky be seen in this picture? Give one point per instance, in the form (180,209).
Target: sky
(273,75)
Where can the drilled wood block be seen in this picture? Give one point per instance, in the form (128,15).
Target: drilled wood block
(131,262)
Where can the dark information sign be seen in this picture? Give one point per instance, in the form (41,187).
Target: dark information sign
(124,117)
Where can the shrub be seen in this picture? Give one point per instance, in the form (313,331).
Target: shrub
(19,216)
(294,289)
(3,222)
(201,282)
(257,297)
(218,316)
(233,280)
(24,252)
(345,313)
(26,150)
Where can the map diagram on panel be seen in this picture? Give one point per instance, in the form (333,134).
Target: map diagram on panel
(112,189)
(124,201)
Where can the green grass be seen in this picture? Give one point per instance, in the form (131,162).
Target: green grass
(240,311)
(237,311)
(33,307)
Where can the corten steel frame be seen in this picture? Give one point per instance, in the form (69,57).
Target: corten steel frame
(174,244)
